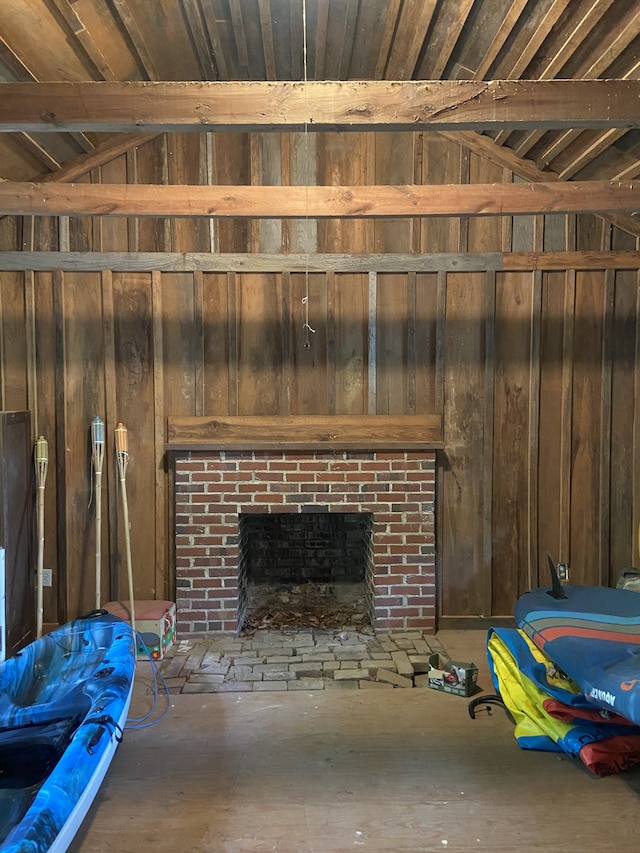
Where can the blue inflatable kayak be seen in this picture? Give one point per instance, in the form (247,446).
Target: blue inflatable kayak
(593,635)
(64,701)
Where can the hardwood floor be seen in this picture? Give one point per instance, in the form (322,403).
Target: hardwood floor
(341,770)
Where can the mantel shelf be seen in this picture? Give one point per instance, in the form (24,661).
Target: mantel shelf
(305,432)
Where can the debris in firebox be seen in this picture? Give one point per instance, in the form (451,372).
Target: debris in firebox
(270,619)
(306,605)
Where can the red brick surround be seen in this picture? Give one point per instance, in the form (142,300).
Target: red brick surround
(212,488)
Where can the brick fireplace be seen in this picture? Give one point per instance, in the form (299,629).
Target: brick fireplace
(215,488)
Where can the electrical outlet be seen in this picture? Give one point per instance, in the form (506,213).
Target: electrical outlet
(563,572)
(47,577)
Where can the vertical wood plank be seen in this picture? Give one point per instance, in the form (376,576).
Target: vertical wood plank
(199,362)
(351,346)
(30,349)
(47,372)
(343,160)
(13,342)
(462,493)
(133,325)
(586,493)
(488,481)
(258,303)
(216,354)
(604,539)
(441,164)
(113,230)
(303,171)
(394,366)
(83,400)
(186,164)
(233,322)
(511,447)
(394,166)
(372,343)
(111,578)
(163,582)
(231,166)
(533,561)
(309,369)
(623,418)
(331,344)
(60,441)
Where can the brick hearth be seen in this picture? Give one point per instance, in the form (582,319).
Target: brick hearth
(213,488)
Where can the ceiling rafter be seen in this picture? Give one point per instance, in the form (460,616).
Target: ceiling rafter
(84,38)
(526,169)
(455,22)
(22,73)
(616,41)
(202,45)
(504,31)
(266,26)
(136,37)
(410,34)
(629,29)
(554,65)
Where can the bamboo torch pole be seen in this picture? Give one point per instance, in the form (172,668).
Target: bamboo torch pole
(122,458)
(42,462)
(97,456)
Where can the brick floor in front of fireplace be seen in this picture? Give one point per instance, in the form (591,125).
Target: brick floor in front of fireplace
(300,659)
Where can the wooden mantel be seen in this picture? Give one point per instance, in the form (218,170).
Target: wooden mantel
(306,432)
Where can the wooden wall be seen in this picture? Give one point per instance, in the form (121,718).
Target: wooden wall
(534,372)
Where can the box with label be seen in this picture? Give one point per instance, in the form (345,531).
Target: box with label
(451,676)
(155,624)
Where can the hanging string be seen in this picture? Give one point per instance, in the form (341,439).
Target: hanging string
(305,301)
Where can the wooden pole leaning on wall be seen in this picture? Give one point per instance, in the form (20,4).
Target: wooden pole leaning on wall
(42,463)
(97,457)
(122,460)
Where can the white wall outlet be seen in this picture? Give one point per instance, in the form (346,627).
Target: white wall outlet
(47,577)
(563,572)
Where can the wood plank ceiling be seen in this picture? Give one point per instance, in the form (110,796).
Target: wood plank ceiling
(278,40)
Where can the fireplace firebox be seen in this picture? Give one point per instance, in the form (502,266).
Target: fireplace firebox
(314,567)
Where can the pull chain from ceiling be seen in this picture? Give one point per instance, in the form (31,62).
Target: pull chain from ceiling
(305,301)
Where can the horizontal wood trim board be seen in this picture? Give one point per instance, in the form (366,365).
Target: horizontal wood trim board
(321,105)
(306,432)
(273,263)
(318,202)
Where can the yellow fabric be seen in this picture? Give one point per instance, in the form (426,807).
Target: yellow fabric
(523,697)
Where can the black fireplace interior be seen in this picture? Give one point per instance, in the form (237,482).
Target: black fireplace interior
(305,569)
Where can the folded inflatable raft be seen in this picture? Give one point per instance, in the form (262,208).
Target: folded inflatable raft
(593,635)
(64,701)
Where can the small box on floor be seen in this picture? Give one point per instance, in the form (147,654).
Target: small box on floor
(155,623)
(451,676)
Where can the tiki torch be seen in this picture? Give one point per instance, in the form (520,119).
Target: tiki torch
(97,457)
(122,458)
(42,461)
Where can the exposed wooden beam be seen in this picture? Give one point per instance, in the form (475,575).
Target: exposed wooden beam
(295,202)
(323,105)
(273,263)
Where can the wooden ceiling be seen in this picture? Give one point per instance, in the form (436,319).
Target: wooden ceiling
(264,40)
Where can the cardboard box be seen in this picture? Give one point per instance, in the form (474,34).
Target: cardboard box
(155,623)
(452,676)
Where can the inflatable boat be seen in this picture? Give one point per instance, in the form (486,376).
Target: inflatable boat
(593,635)
(64,701)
